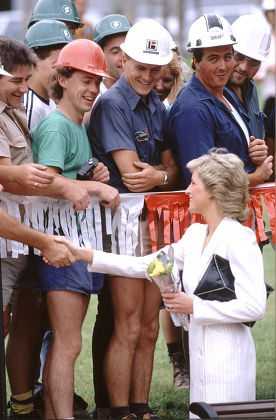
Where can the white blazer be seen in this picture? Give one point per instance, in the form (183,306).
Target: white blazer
(222,353)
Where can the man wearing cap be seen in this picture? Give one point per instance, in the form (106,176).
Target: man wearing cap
(60,141)
(206,114)
(45,38)
(126,132)
(109,34)
(63,10)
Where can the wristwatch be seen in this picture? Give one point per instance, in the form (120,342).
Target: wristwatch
(166,178)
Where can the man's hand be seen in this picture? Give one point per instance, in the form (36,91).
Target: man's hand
(101,173)
(257,150)
(56,253)
(32,175)
(145,179)
(78,253)
(77,195)
(109,196)
(262,172)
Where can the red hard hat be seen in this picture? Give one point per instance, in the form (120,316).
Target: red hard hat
(84,55)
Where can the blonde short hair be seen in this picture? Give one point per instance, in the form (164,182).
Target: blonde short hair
(223,176)
(181,73)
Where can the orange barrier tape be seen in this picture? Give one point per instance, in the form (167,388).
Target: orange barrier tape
(169,216)
(267,193)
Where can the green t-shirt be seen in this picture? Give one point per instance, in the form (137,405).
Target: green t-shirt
(59,142)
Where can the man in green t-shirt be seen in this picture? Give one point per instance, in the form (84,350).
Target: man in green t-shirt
(60,141)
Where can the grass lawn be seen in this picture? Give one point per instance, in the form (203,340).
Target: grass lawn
(166,401)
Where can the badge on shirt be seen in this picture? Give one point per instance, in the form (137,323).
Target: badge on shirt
(141,136)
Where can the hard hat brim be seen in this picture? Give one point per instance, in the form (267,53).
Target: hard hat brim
(4,72)
(96,72)
(257,57)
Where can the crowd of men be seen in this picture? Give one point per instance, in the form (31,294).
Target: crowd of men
(64,100)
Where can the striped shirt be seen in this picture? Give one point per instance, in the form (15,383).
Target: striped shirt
(37,108)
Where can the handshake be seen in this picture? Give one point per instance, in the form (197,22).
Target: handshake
(60,252)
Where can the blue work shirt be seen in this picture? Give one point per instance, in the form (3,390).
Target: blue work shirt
(252,108)
(198,121)
(121,119)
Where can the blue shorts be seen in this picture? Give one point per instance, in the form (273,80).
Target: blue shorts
(76,278)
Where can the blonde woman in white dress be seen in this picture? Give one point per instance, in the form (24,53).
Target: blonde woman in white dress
(222,353)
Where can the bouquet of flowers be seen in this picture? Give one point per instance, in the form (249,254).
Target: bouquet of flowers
(165,275)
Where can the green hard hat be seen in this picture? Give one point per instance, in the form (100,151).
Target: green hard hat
(63,10)
(47,32)
(110,25)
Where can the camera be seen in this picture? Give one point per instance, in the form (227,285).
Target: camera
(86,172)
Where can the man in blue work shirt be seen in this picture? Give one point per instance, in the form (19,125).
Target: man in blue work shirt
(253,36)
(207,115)
(126,131)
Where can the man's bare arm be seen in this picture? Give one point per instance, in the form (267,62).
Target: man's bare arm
(10,228)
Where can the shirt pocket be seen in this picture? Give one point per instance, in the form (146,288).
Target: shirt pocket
(225,135)
(20,151)
(143,146)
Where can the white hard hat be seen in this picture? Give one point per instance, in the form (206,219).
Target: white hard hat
(210,30)
(4,72)
(148,42)
(253,36)
(268,5)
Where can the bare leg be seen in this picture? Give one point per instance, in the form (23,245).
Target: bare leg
(29,322)
(66,312)
(128,300)
(7,320)
(143,359)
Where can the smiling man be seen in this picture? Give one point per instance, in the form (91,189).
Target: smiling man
(60,141)
(126,133)
(109,33)
(206,114)
(46,38)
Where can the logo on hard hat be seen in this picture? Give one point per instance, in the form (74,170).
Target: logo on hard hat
(216,37)
(66,33)
(66,9)
(116,24)
(151,45)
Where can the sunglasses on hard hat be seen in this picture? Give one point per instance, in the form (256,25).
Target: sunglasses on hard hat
(251,62)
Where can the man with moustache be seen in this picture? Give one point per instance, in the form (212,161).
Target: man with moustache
(206,114)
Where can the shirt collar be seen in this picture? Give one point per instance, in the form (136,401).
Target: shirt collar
(9,109)
(3,106)
(133,98)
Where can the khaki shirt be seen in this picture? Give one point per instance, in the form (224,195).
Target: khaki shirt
(14,135)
